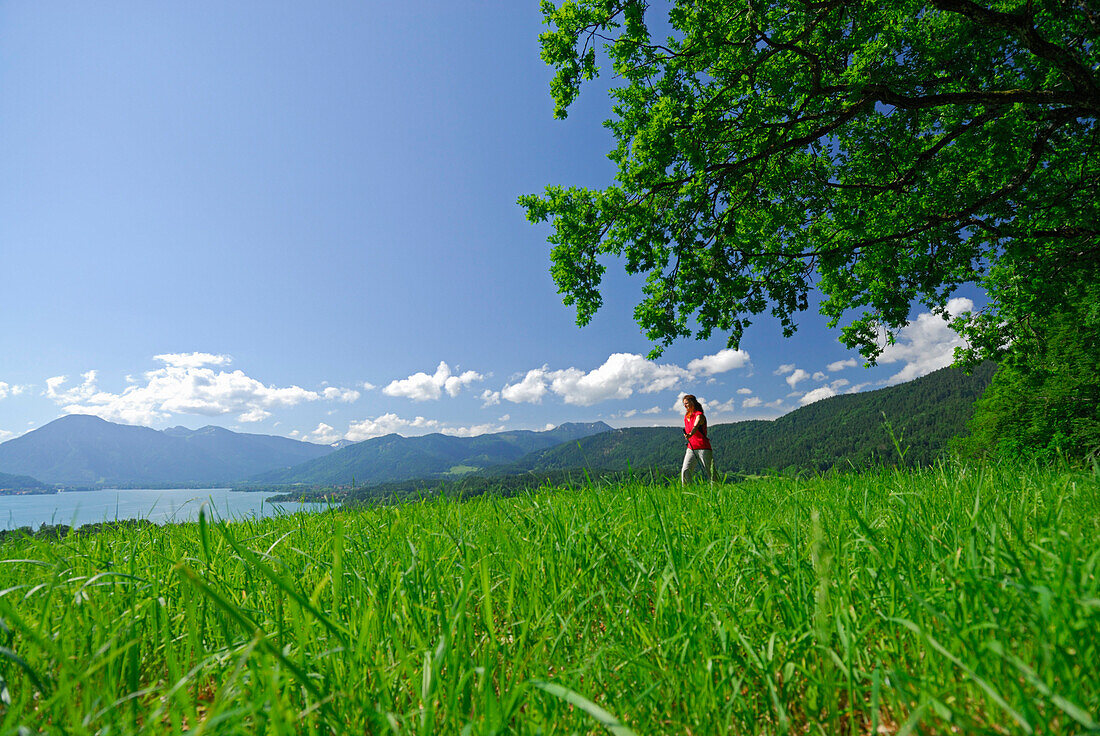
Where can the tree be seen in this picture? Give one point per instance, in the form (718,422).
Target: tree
(1044,400)
(884,153)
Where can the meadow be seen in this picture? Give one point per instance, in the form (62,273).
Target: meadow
(888,602)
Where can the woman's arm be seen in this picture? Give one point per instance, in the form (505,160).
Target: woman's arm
(695,424)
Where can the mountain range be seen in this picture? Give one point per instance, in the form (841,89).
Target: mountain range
(393,457)
(81,450)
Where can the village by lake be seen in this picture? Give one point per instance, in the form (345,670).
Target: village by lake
(157,505)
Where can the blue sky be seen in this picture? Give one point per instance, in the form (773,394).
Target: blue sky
(301,219)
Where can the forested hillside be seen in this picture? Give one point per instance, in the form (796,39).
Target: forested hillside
(395,458)
(845,431)
(20,483)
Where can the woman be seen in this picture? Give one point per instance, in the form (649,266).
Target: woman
(698,446)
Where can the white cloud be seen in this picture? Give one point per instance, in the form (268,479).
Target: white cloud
(324,434)
(620,376)
(710,406)
(255,414)
(841,365)
(475,430)
(422,387)
(392,424)
(959,305)
(83,392)
(185,385)
(775,404)
(652,410)
(346,395)
(784,369)
(367,386)
(720,362)
(744,391)
(751,402)
(490,398)
(858,387)
(192,360)
(925,344)
(504,418)
(530,390)
(798,375)
(714,408)
(838,383)
(454,384)
(6,435)
(817,395)
(818,376)
(389,423)
(7,390)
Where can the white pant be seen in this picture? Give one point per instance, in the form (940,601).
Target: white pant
(706,457)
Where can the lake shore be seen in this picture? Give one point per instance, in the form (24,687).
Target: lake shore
(74,510)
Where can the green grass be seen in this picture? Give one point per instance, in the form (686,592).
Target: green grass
(462,470)
(887,602)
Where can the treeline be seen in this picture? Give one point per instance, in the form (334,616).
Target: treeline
(1044,401)
(62,531)
(22,483)
(472,486)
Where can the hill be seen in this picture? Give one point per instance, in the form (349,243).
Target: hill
(88,451)
(20,483)
(396,458)
(843,431)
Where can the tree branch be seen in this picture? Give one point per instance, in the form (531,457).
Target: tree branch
(885,95)
(1022,27)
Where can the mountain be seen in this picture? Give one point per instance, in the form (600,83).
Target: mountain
(20,483)
(393,458)
(87,451)
(841,431)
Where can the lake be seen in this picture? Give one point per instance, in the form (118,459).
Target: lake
(160,506)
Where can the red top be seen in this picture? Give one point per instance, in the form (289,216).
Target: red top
(698,440)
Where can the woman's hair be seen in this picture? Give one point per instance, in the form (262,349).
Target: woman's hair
(695,405)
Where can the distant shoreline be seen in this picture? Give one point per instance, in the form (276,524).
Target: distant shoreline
(85,489)
(55,516)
